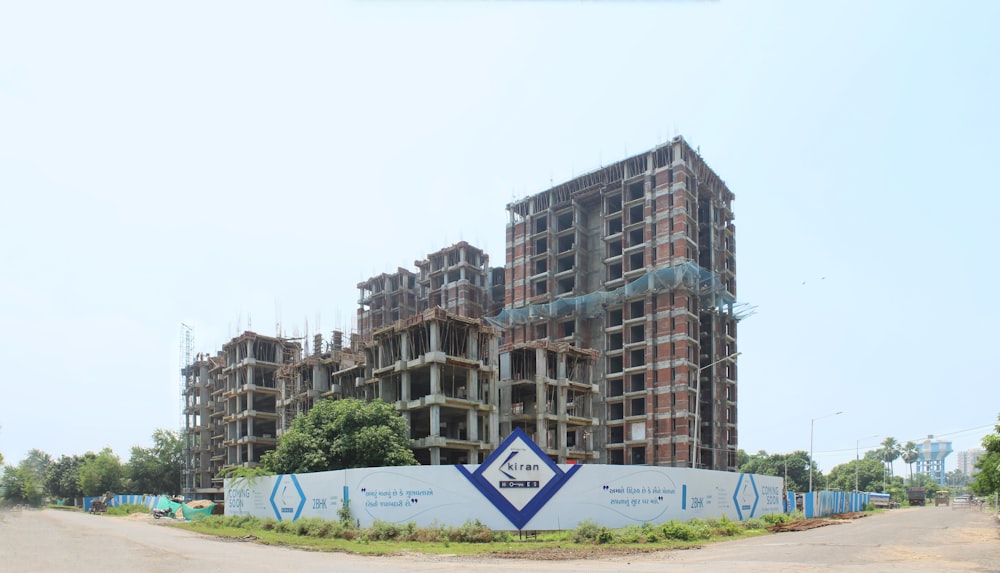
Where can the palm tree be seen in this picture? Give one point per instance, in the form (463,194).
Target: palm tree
(911,453)
(888,453)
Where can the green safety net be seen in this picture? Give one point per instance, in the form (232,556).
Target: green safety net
(187,512)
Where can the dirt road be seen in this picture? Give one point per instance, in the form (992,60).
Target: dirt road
(916,540)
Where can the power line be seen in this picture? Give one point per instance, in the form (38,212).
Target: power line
(915,441)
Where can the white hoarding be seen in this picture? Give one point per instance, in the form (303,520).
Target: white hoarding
(518,487)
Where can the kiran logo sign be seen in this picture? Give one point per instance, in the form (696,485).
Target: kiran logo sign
(287,498)
(518,478)
(745,497)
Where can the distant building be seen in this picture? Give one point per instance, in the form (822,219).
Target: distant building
(966,460)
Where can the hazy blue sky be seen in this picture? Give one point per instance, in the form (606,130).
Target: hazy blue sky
(238,164)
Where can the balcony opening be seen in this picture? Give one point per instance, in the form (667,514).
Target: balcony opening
(541,224)
(638,456)
(637,407)
(539,288)
(636,261)
(614,271)
(614,204)
(565,264)
(567,328)
(614,225)
(565,243)
(635,191)
(564,221)
(635,215)
(637,382)
(637,309)
(541,246)
(616,435)
(616,411)
(615,341)
(636,237)
(637,357)
(614,364)
(614,387)
(566,285)
(637,333)
(614,248)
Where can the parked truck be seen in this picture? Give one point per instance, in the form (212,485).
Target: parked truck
(917,495)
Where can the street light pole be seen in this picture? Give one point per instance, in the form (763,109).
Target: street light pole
(697,405)
(812,424)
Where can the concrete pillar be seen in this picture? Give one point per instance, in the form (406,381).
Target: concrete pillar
(472,426)
(435,378)
(541,436)
(435,420)
(435,456)
(435,332)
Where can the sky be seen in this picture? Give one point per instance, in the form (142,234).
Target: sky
(243,165)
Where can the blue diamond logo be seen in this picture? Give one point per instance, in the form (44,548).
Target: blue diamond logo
(287,498)
(518,478)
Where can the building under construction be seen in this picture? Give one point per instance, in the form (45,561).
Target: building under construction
(457,278)
(637,261)
(439,369)
(609,336)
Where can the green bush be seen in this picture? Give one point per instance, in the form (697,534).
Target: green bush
(754,523)
(680,531)
(472,531)
(722,527)
(586,532)
(284,527)
(630,534)
(381,531)
(776,518)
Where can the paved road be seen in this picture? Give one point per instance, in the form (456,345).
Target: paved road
(912,540)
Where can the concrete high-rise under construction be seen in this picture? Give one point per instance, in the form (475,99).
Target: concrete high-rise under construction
(636,261)
(609,336)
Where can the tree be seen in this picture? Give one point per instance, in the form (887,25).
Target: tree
(794,467)
(340,434)
(987,480)
(888,453)
(741,458)
(957,478)
(910,454)
(37,463)
(20,485)
(100,473)
(157,469)
(62,479)
(867,472)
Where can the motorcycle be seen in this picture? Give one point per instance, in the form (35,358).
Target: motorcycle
(158,513)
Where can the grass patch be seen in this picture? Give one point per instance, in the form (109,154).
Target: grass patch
(127,509)
(63,507)
(475,538)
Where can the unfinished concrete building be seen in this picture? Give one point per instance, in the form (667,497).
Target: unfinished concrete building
(318,376)
(203,452)
(456,279)
(637,261)
(547,390)
(251,393)
(386,298)
(440,371)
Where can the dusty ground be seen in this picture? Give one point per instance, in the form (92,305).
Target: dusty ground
(913,540)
